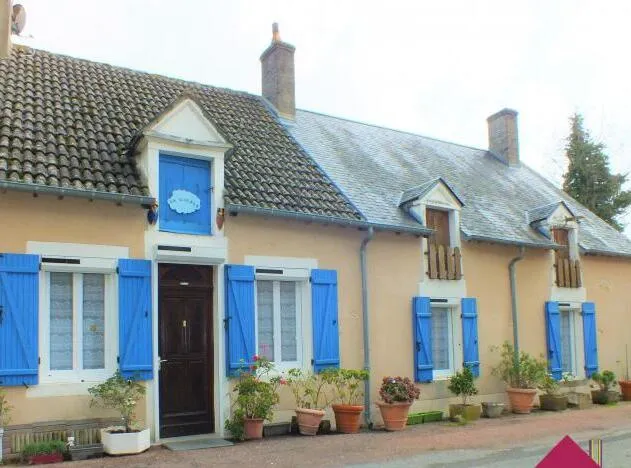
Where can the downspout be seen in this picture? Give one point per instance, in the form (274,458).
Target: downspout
(365,323)
(513,296)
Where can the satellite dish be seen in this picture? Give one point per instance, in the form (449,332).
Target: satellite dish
(18,19)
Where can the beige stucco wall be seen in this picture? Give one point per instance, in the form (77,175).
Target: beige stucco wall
(24,218)
(607,280)
(72,220)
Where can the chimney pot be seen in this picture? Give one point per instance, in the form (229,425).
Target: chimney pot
(278,75)
(503,136)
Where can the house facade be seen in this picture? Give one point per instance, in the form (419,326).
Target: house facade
(172,230)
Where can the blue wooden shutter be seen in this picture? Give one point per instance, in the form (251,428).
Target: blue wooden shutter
(19,300)
(326,340)
(553,339)
(239,320)
(589,338)
(469,317)
(135,343)
(422,326)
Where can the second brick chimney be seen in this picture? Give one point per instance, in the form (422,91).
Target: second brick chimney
(503,138)
(278,76)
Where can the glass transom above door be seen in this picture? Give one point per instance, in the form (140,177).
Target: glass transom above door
(185,195)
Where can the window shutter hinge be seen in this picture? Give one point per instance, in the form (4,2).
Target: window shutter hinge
(117,272)
(118,359)
(39,360)
(312,361)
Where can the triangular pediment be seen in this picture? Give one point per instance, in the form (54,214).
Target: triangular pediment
(185,120)
(433,193)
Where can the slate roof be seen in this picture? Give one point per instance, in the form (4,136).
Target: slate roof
(543,212)
(70,123)
(372,165)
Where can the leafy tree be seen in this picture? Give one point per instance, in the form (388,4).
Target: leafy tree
(588,178)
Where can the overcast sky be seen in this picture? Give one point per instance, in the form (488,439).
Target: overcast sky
(437,68)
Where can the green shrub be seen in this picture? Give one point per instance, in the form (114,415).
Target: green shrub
(44,448)
(346,385)
(605,380)
(527,372)
(5,409)
(398,389)
(119,394)
(461,384)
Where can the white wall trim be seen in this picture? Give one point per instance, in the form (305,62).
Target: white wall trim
(67,250)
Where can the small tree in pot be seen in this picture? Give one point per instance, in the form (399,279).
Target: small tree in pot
(309,391)
(347,392)
(122,395)
(256,397)
(462,384)
(397,394)
(552,400)
(522,374)
(605,381)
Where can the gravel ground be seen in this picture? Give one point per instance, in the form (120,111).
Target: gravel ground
(380,446)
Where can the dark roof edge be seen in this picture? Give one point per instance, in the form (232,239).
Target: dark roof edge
(604,253)
(79,193)
(324,219)
(495,240)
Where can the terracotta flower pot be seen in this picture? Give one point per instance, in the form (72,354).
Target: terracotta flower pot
(347,418)
(625,388)
(253,428)
(308,420)
(395,415)
(521,399)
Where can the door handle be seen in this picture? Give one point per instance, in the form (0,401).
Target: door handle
(160,363)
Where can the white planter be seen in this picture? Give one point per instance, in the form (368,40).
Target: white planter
(125,443)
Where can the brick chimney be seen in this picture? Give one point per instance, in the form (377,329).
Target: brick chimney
(278,77)
(503,137)
(6,11)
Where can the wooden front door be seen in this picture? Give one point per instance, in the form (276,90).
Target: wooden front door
(185,349)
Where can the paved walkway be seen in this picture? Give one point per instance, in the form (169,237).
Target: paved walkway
(429,442)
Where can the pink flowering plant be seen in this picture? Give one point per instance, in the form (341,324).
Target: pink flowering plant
(398,390)
(256,395)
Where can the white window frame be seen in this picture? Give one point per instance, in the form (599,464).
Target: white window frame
(574,313)
(451,310)
(300,288)
(77,374)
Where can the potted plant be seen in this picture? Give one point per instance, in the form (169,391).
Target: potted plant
(625,385)
(122,395)
(604,394)
(41,453)
(5,417)
(397,394)
(522,375)
(310,395)
(347,390)
(461,384)
(552,399)
(256,397)
(491,409)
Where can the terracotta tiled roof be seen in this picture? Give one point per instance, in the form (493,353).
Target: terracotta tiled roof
(70,123)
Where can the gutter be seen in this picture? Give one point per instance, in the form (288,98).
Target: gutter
(366,324)
(604,253)
(495,240)
(513,296)
(36,189)
(420,231)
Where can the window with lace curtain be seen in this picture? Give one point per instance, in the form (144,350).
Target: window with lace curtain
(76,322)
(279,322)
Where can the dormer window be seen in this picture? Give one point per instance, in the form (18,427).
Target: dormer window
(435,205)
(557,222)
